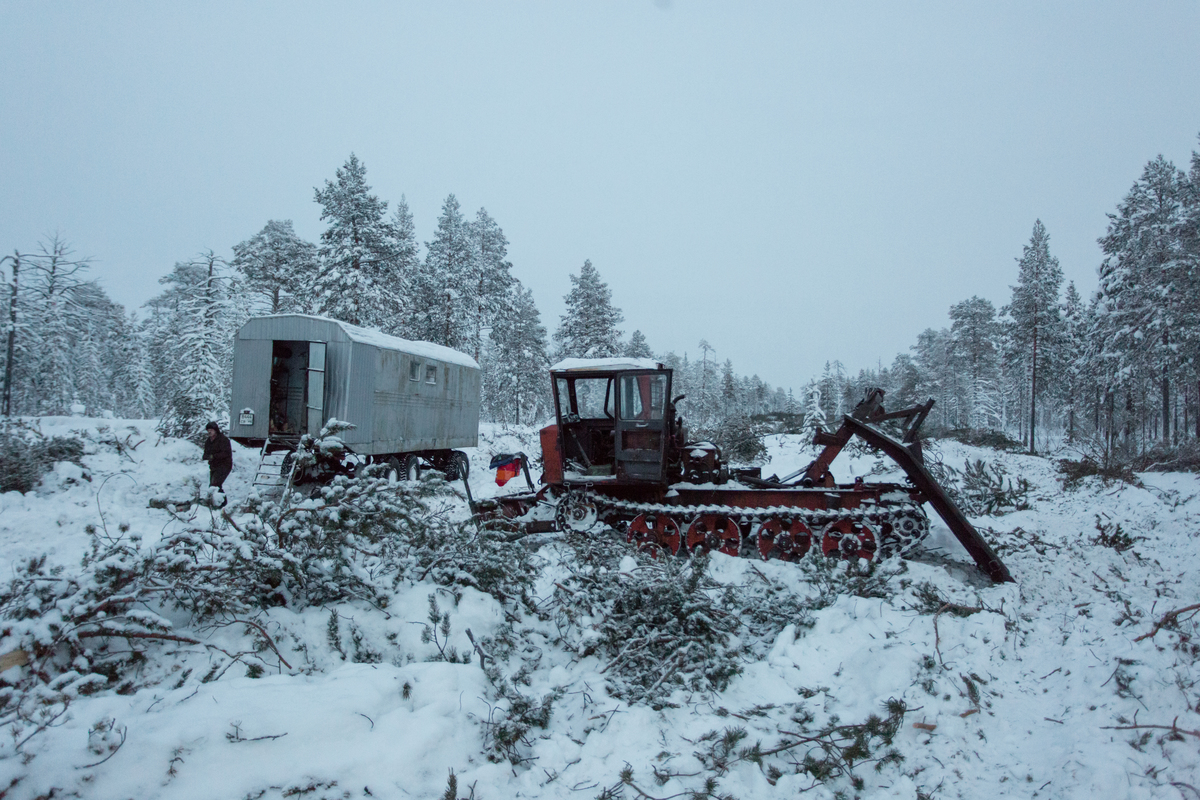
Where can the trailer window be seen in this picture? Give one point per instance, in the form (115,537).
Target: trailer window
(414,370)
(430,373)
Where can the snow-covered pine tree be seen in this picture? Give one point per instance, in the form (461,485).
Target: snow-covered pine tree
(400,281)
(516,388)
(200,349)
(933,349)
(277,267)
(792,406)
(814,409)
(901,384)
(637,347)
(974,334)
(356,253)
(833,387)
(706,403)
(589,329)
(730,403)
(135,377)
(1147,288)
(47,363)
(107,327)
(759,396)
(443,287)
(1074,345)
(490,280)
(1190,240)
(1036,331)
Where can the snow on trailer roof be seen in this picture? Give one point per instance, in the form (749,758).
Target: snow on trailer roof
(605,364)
(376,338)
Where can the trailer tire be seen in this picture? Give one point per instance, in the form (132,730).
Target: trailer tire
(393,471)
(458,466)
(412,468)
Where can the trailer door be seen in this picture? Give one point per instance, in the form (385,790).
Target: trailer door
(641,425)
(315,388)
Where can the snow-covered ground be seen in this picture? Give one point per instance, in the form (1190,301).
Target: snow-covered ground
(1036,689)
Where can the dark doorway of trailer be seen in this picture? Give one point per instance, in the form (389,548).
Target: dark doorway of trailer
(297,388)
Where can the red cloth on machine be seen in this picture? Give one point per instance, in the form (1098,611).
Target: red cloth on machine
(507,470)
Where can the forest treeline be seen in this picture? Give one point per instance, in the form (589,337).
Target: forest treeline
(75,350)
(1117,373)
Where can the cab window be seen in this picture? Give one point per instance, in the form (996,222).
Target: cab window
(643,397)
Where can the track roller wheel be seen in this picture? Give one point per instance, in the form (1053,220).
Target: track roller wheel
(714,532)
(848,539)
(576,513)
(904,532)
(785,544)
(655,534)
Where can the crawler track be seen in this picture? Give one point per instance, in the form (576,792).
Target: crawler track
(784,532)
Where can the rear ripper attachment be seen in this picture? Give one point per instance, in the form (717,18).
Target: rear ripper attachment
(619,455)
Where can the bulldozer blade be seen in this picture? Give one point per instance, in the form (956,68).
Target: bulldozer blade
(985,558)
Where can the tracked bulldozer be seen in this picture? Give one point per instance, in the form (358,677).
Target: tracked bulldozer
(618,455)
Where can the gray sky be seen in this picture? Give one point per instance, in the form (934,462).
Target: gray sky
(794,182)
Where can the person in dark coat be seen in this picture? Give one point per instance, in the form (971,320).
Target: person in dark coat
(219,456)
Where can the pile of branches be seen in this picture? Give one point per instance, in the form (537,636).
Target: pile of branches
(1073,472)
(984,488)
(825,754)
(659,628)
(26,454)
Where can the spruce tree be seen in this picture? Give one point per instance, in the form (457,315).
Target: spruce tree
(356,253)
(1036,329)
(589,329)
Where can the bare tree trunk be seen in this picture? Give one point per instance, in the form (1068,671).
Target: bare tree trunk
(1166,400)
(12,335)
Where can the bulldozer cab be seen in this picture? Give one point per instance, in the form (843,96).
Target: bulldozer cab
(613,419)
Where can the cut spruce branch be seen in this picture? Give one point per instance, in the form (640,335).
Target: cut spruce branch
(1170,618)
(1172,727)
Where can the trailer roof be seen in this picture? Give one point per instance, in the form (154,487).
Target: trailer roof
(376,338)
(605,364)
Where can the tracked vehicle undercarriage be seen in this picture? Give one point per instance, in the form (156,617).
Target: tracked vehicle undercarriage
(619,455)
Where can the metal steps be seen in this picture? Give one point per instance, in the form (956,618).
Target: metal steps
(276,465)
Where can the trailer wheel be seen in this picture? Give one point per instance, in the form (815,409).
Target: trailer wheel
(458,466)
(392,470)
(412,468)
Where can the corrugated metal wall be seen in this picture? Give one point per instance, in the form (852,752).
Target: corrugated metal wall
(367,385)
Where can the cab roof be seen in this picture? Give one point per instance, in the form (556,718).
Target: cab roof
(618,364)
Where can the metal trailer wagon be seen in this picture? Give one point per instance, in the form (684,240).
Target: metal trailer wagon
(410,401)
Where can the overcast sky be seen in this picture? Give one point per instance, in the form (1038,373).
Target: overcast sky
(794,182)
